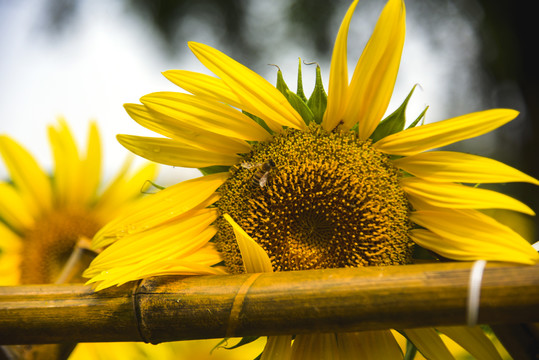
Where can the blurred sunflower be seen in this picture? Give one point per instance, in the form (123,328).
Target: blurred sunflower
(293,183)
(43,217)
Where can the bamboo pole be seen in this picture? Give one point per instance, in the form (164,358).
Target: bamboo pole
(198,307)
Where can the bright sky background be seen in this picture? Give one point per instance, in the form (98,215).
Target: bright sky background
(108,58)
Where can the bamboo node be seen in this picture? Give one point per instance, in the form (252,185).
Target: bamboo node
(237,304)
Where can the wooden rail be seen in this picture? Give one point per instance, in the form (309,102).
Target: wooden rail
(199,307)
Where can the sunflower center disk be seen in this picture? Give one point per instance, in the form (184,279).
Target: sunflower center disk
(316,199)
(48,245)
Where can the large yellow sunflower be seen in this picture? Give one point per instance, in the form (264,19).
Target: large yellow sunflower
(293,183)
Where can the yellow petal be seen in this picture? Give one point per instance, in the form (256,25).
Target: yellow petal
(199,263)
(180,350)
(10,256)
(349,344)
(115,188)
(68,176)
(180,247)
(254,257)
(315,346)
(184,266)
(179,237)
(161,207)
(338,75)
(253,90)
(470,235)
(9,241)
(438,134)
(204,86)
(198,138)
(375,74)
(196,113)
(32,183)
(91,166)
(171,152)
(449,166)
(429,343)
(277,347)
(455,196)
(120,275)
(372,345)
(207,255)
(473,339)
(13,210)
(121,192)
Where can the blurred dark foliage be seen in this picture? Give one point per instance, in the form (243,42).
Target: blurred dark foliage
(510,32)
(314,17)
(227,16)
(60,14)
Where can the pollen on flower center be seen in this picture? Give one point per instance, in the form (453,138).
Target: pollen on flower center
(328,200)
(49,243)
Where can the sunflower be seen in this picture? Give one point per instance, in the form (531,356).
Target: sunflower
(43,217)
(292,183)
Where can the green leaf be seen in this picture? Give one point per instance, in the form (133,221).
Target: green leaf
(213,169)
(319,99)
(300,106)
(299,91)
(394,122)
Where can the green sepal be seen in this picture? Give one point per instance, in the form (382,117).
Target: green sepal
(394,123)
(154,185)
(281,84)
(244,341)
(208,170)
(299,91)
(147,188)
(319,99)
(300,106)
(295,100)
(419,118)
(411,350)
(259,121)
(219,344)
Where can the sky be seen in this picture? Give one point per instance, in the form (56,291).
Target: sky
(107,58)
